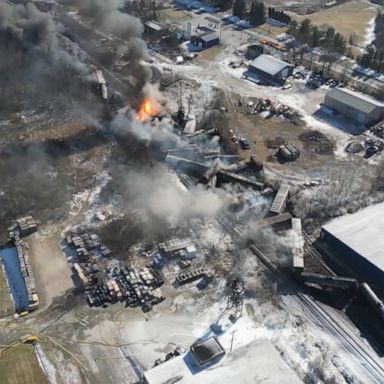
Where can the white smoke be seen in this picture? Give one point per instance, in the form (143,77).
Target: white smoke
(157,192)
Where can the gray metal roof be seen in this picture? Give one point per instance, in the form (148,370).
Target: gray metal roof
(362,232)
(269,64)
(355,100)
(207,37)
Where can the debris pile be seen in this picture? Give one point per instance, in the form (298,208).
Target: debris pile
(106,284)
(190,276)
(378,130)
(137,288)
(372,146)
(288,152)
(24,226)
(85,243)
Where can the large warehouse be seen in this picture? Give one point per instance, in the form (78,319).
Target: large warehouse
(271,69)
(356,243)
(356,106)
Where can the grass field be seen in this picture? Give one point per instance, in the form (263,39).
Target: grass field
(346,18)
(6,305)
(168,15)
(210,53)
(20,366)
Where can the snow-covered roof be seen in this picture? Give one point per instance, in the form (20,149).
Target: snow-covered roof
(257,362)
(269,64)
(362,232)
(358,101)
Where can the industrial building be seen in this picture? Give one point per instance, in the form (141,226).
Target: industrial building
(355,242)
(271,69)
(206,40)
(256,362)
(360,108)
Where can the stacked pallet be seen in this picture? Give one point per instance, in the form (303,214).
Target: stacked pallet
(26,225)
(26,271)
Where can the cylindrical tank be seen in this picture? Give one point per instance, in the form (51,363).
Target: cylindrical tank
(373,300)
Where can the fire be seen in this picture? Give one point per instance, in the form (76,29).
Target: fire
(146,110)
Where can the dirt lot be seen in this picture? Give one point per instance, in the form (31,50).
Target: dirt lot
(51,270)
(27,370)
(347,18)
(6,306)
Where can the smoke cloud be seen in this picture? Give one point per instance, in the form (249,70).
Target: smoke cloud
(154,192)
(109,18)
(24,30)
(156,131)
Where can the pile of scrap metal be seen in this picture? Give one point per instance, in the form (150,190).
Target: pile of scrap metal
(86,243)
(23,226)
(372,146)
(378,130)
(196,274)
(288,152)
(216,172)
(271,108)
(137,288)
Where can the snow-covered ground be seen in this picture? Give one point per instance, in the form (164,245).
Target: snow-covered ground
(370,32)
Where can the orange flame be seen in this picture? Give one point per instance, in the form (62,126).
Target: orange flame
(146,110)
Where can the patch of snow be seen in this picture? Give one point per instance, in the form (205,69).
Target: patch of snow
(46,366)
(370,35)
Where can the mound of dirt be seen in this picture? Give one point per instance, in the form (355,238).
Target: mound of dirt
(275,142)
(317,142)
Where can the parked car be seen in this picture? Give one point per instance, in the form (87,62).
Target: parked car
(244,144)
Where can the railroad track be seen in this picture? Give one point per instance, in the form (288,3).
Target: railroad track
(373,368)
(311,251)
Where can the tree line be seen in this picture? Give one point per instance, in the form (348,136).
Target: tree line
(373,55)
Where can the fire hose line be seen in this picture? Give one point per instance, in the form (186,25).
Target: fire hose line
(120,345)
(86,369)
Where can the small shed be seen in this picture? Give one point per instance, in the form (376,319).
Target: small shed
(207,351)
(206,40)
(270,68)
(254,50)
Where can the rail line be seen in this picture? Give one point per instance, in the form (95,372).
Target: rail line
(367,362)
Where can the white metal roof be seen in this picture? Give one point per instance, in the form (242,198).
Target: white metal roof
(152,24)
(269,64)
(258,362)
(280,199)
(362,232)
